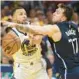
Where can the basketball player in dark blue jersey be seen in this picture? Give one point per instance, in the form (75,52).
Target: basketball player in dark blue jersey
(64,39)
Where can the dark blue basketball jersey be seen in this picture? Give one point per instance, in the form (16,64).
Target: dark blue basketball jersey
(67,49)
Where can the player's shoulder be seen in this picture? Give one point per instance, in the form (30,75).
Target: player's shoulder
(73,24)
(10,31)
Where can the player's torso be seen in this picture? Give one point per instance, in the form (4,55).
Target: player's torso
(68,46)
(28,56)
(69,41)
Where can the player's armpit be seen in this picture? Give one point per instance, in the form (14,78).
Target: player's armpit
(56,36)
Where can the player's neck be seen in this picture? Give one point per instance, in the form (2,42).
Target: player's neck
(63,19)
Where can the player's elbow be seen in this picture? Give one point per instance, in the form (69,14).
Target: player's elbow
(57,37)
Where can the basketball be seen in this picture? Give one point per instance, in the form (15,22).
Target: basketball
(10,44)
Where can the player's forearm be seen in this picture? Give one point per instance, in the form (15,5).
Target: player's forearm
(21,27)
(30,29)
(27,29)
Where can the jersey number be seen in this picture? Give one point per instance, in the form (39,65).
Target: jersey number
(74,43)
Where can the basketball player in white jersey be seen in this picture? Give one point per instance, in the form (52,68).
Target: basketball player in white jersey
(27,60)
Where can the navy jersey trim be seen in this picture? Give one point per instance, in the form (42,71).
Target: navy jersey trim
(22,32)
(63,61)
(15,32)
(11,29)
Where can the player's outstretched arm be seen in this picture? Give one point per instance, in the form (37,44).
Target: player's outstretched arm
(25,28)
(45,30)
(52,31)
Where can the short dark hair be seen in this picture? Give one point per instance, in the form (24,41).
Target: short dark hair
(15,10)
(68,11)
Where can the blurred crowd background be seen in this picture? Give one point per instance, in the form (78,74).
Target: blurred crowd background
(39,12)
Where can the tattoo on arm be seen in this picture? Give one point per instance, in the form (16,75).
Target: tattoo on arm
(26,29)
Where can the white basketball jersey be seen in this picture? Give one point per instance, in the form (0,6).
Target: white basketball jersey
(27,58)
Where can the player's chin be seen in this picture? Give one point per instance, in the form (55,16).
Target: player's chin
(54,21)
(23,22)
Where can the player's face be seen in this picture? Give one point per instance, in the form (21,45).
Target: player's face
(58,15)
(20,16)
